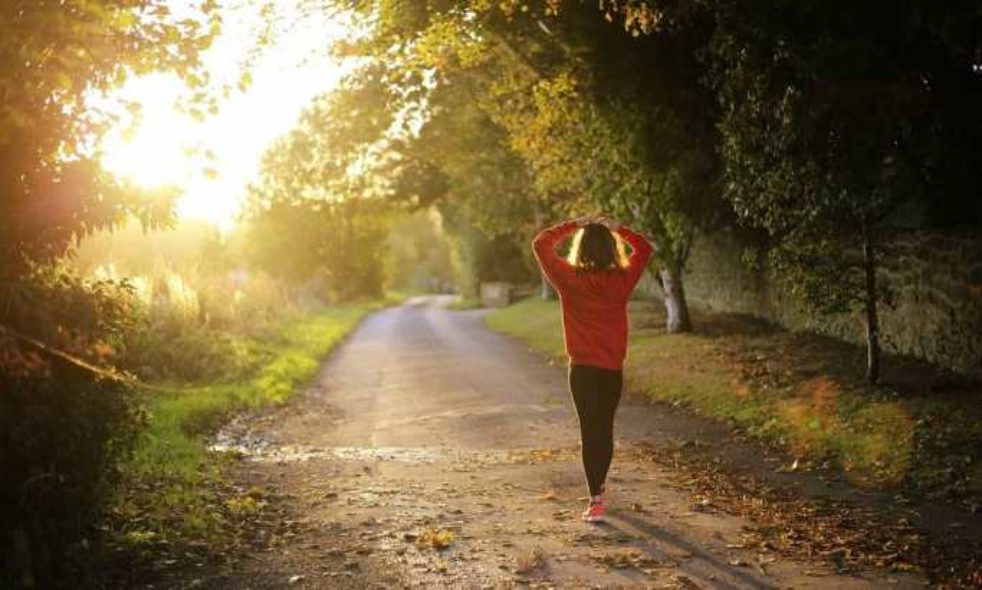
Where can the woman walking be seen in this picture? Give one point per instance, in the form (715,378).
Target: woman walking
(594,283)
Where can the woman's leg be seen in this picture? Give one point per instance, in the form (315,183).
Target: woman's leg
(584,385)
(610,384)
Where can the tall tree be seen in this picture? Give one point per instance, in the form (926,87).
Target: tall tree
(319,208)
(833,116)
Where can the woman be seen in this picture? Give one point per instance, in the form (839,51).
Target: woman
(594,285)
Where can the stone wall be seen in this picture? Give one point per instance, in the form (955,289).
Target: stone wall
(936,277)
(496,294)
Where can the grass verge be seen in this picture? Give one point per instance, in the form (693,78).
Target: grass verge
(465,303)
(803,392)
(173,497)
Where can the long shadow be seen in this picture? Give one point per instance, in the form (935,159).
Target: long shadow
(721,570)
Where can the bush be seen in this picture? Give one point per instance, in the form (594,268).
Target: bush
(63,424)
(61,436)
(173,348)
(194,327)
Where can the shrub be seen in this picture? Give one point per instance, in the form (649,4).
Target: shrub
(63,424)
(61,435)
(174,348)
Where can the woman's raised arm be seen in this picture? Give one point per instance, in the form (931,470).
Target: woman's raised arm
(556,269)
(641,251)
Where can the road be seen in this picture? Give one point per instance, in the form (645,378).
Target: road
(427,429)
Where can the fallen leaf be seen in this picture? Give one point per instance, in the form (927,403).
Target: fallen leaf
(436,538)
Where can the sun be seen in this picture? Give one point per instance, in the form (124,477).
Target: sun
(212,161)
(153,149)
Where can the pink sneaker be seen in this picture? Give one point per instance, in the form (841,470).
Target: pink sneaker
(597,510)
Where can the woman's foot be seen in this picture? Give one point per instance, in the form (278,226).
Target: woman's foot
(596,511)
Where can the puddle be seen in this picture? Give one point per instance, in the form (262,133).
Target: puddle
(249,446)
(265,452)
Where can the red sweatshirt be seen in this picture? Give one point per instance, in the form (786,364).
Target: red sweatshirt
(594,303)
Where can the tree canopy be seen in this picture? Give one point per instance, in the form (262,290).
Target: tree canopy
(816,126)
(55,56)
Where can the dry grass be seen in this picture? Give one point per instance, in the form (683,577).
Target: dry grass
(531,562)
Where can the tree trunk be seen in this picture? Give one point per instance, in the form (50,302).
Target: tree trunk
(676,308)
(546,290)
(870,299)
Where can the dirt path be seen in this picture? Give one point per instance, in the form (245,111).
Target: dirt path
(428,429)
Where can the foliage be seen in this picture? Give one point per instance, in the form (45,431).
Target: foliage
(171,347)
(63,424)
(61,436)
(829,128)
(340,246)
(313,215)
(488,186)
(365,147)
(848,115)
(592,118)
(618,123)
(420,257)
(484,197)
(54,57)
(192,303)
(56,306)
(130,250)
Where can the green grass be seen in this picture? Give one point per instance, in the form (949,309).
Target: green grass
(172,484)
(788,389)
(534,321)
(465,303)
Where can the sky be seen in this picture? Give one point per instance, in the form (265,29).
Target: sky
(167,146)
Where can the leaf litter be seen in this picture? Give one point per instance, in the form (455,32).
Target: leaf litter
(844,534)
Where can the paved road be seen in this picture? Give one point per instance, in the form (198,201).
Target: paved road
(427,428)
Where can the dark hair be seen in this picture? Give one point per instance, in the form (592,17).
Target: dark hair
(596,248)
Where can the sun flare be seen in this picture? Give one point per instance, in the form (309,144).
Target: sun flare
(211,161)
(152,151)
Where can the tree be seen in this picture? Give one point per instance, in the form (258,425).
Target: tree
(339,246)
(53,191)
(832,118)
(420,257)
(626,125)
(486,195)
(54,56)
(319,210)
(393,136)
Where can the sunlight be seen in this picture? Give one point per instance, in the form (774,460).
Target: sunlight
(152,153)
(213,160)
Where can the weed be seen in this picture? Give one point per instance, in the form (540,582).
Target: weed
(530,562)
(438,539)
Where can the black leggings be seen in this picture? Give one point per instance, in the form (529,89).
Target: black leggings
(596,393)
